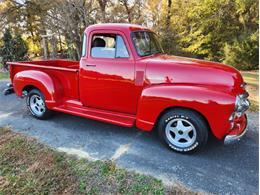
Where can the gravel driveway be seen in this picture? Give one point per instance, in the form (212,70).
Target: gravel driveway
(217,169)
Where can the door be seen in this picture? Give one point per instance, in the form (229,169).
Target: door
(107,74)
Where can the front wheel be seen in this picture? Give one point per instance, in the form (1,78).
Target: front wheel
(36,104)
(183,130)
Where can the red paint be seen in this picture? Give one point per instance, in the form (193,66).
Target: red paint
(136,90)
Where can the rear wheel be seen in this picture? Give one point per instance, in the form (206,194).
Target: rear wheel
(183,130)
(36,104)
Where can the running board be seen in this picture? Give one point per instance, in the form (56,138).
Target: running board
(116,118)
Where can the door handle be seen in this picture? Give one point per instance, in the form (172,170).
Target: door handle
(92,65)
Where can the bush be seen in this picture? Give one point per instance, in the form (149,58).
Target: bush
(7,49)
(243,53)
(20,49)
(13,49)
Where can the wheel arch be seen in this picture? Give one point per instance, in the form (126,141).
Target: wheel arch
(30,79)
(184,108)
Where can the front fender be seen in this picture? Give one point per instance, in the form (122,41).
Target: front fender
(37,79)
(214,105)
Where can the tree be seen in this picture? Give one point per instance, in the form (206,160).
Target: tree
(20,49)
(7,49)
(13,49)
(243,52)
(168,39)
(103,5)
(223,31)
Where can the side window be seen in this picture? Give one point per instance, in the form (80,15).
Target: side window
(103,46)
(108,46)
(84,44)
(121,51)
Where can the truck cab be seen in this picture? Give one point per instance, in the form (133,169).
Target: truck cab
(110,63)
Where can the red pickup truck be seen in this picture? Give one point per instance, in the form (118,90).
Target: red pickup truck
(125,78)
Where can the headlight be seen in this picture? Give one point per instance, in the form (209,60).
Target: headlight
(242,104)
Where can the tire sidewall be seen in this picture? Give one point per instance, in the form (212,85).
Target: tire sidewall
(200,128)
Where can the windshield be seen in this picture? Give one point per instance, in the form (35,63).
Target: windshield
(146,43)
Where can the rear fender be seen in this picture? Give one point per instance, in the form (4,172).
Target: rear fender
(37,79)
(215,106)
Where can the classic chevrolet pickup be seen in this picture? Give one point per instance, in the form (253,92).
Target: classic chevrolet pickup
(125,78)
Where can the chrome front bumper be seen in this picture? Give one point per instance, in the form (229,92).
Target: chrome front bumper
(230,139)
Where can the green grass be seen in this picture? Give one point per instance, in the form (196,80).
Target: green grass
(254,106)
(4,75)
(252,79)
(27,167)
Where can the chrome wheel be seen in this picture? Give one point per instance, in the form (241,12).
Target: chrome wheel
(180,132)
(37,105)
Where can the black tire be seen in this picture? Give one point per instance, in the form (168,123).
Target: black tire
(194,139)
(46,113)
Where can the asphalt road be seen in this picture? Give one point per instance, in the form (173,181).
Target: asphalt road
(216,169)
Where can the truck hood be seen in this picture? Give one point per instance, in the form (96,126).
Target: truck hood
(180,70)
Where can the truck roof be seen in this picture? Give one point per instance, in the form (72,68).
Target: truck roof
(116,26)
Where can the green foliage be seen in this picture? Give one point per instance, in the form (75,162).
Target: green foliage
(252,80)
(33,45)
(4,75)
(7,48)
(20,49)
(243,53)
(13,49)
(223,31)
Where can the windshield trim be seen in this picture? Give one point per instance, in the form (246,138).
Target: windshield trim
(150,54)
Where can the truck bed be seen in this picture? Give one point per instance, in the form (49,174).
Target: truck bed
(64,74)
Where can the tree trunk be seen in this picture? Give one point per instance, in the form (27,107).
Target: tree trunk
(128,11)
(102,5)
(168,18)
(60,42)
(54,47)
(45,50)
